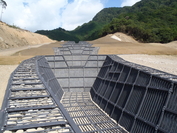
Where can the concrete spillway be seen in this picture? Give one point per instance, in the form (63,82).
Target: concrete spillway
(77,90)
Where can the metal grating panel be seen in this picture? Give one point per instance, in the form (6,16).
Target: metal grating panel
(71,48)
(87,115)
(75,72)
(140,99)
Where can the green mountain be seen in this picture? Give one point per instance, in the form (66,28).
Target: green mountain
(146,21)
(59,34)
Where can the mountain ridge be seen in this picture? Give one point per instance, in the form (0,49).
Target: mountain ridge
(149,21)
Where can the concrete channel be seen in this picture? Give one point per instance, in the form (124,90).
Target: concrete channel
(77,90)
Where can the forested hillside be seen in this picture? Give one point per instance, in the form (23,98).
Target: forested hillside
(146,21)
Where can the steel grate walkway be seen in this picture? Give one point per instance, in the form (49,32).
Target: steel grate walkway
(87,115)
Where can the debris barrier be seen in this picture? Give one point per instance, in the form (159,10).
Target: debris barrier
(77,90)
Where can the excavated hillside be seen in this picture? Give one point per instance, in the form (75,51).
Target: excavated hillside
(13,37)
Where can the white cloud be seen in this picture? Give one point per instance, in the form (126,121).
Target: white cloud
(129,2)
(79,12)
(50,14)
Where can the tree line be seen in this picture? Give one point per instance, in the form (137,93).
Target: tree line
(146,21)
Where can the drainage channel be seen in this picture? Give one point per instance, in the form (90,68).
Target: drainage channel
(76,67)
(53,94)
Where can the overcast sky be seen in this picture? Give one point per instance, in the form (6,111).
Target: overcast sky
(35,15)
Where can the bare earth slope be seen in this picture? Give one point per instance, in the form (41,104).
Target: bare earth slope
(15,37)
(156,55)
(11,41)
(120,43)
